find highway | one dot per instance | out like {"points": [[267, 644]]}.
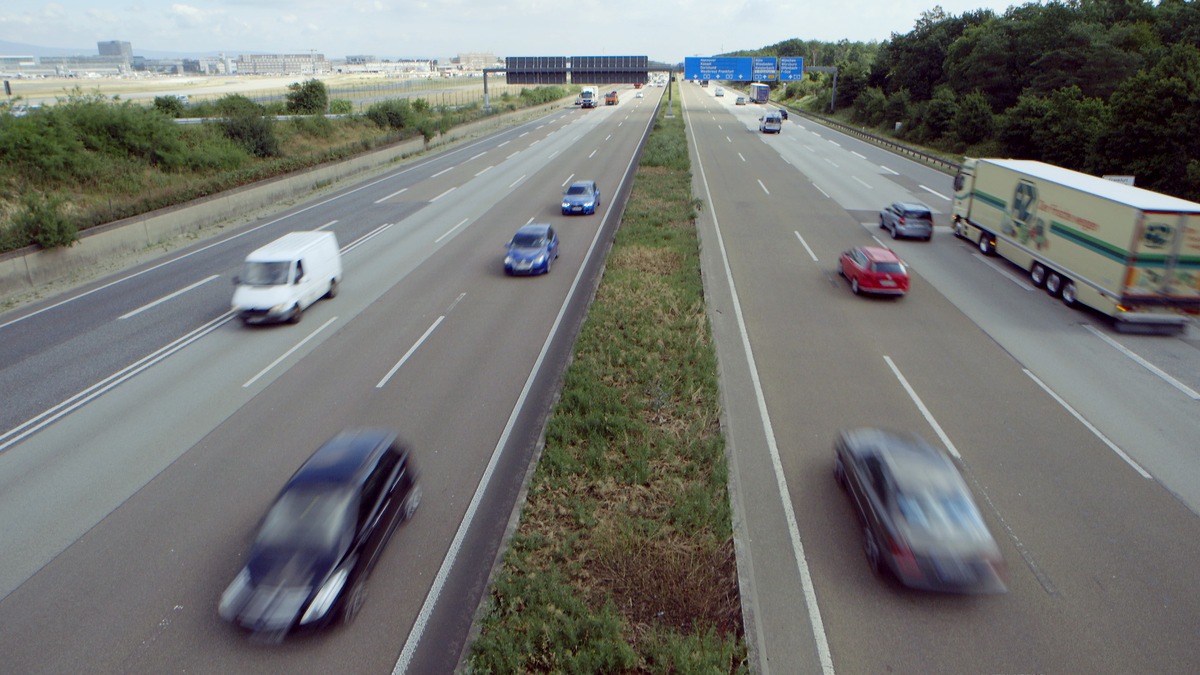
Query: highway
{"points": [[1083, 457], [144, 430]]}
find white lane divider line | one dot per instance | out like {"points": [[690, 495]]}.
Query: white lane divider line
{"points": [[165, 298], [937, 428], [288, 353], [411, 350]]}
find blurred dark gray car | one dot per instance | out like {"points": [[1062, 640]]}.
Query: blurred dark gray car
{"points": [[320, 539], [907, 219], [919, 522]]}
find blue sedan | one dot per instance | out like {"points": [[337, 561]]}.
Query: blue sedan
{"points": [[532, 250], [582, 197]]}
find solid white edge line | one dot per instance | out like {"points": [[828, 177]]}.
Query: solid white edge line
{"points": [[1090, 427], [288, 353], [410, 351], [810, 593], [439, 582], [165, 298], [49, 416], [807, 247], [937, 428], [1188, 391]]}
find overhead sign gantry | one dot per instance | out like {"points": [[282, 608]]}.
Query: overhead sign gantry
{"points": [[743, 68]]}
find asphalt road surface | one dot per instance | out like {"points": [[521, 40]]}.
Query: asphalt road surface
{"points": [[145, 431], [1084, 459]]}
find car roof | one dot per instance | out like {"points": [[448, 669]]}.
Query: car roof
{"points": [[534, 228], [584, 183], [911, 206], [879, 254], [913, 462], [345, 459]]}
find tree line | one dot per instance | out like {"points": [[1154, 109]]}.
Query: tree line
{"points": [[1100, 86]]}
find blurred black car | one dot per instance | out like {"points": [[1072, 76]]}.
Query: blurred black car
{"points": [[322, 536], [919, 521]]}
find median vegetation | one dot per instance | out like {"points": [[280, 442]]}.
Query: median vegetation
{"points": [[91, 159], [624, 559]]}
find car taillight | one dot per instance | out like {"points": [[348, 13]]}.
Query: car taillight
{"points": [[905, 560]]}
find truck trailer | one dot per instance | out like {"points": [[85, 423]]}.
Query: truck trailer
{"points": [[759, 92], [1129, 253]]}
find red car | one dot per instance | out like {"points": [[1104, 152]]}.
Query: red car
{"points": [[871, 269]]}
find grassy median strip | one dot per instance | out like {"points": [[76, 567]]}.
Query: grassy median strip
{"points": [[624, 559]]}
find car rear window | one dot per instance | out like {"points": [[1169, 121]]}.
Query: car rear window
{"points": [[888, 267], [918, 214]]}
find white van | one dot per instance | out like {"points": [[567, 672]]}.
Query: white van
{"points": [[771, 123], [280, 280]]}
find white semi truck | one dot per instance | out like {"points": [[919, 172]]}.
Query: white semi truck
{"points": [[587, 97], [1129, 253]]}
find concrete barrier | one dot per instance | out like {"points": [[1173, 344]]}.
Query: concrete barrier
{"points": [[100, 249]]}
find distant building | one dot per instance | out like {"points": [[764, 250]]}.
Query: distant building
{"points": [[283, 64], [116, 48]]}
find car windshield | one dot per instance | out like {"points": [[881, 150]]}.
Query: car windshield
{"points": [[265, 273], [309, 519], [939, 511], [888, 268], [578, 190], [527, 240]]}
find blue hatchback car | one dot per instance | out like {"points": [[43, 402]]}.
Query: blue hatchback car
{"points": [[582, 197], [532, 250]]}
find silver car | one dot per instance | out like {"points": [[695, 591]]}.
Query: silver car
{"points": [[907, 219]]}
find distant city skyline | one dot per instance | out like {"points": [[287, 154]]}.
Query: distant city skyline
{"points": [[404, 29]]}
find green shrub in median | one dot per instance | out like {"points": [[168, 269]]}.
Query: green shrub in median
{"points": [[623, 561]]}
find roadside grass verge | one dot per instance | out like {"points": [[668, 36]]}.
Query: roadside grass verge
{"points": [[623, 560]]}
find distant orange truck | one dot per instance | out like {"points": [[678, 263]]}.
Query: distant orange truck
{"points": [[611, 98]]}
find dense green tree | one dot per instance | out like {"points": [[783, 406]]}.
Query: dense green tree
{"points": [[310, 97], [982, 60], [1155, 128], [974, 122], [938, 114], [170, 106], [870, 106]]}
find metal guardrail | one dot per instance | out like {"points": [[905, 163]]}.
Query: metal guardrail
{"points": [[936, 162]]}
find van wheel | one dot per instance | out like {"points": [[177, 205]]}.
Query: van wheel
{"points": [[296, 313], [1037, 274], [333, 289], [854, 285], [1054, 284], [874, 555], [1069, 294]]}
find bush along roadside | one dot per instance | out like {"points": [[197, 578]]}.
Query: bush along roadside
{"points": [[624, 560]]}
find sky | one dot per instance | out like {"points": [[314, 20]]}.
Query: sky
{"points": [[663, 30]]}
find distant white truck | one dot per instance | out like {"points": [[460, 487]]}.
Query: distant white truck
{"points": [[1129, 253], [588, 97], [280, 280]]}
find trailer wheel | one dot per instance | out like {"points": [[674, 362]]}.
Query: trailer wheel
{"points": [[1037, 274], [1069, 293], [1054, 284], [986, 246]]}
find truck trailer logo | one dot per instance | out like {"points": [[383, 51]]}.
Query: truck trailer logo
{"points": [[1021, 221], [1157, 235]]}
